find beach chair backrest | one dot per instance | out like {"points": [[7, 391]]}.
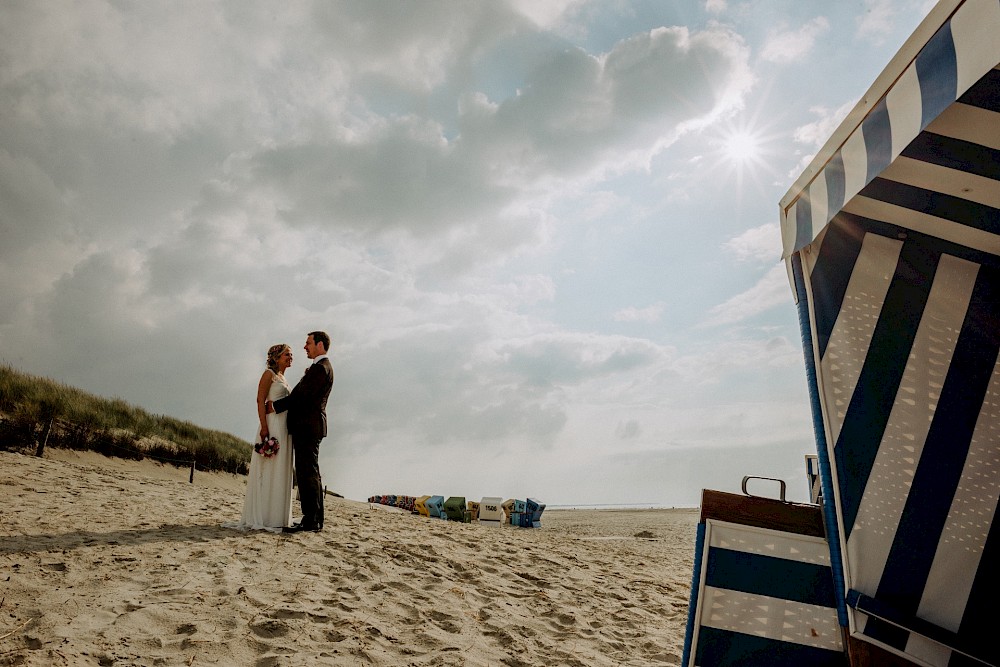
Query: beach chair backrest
{"points": [[491, 510]]}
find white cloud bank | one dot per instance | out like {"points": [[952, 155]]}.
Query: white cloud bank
{"points": [[184, 185]]}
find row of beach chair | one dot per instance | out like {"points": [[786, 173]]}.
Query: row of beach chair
{"points": [[490, 510]]}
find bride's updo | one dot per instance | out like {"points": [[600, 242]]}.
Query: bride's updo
{"points": [[273, 353]]}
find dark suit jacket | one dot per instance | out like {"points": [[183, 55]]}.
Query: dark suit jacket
{"points": [[306, 405]]}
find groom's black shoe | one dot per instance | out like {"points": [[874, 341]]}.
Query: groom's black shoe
{"points": [[299, 527]]}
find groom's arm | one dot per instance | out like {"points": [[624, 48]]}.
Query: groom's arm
{"points": [[311, 384]]}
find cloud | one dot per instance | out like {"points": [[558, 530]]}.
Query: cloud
{"points": [[571, 359], [760, 244], [306, 126], [652, 313], [877, 20], [544, 14], [715, 6], [769, 292], [787, 45], [184, 186], [816, 133]]}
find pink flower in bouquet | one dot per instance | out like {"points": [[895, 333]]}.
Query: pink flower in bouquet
{"points": [[268, 447]]}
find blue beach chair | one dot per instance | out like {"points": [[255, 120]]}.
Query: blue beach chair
{"points": [[435, 507], [534, 511]]}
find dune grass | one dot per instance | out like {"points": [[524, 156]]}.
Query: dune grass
{"points": [[111, 426]]}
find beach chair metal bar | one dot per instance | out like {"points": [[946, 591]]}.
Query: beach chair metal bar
{"points": [[781, 485], [892, 243]]}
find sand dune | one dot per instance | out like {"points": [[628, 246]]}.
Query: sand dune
{"points": [[109, 562]]}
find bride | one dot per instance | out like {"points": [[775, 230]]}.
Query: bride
{"points": [[268, 504]]}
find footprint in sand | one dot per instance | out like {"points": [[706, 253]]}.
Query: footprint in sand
{"points": [[505, 639], [186, 629], [335, 636], [269, 628], [445, 621]]}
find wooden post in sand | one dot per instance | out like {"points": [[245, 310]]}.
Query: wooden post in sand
{"points": [[191, 480], [44, 439]]}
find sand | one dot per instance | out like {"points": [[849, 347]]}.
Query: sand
{"points": [[110, 562]]}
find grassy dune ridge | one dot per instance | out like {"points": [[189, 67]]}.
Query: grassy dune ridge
{"points": [[111, 426]]}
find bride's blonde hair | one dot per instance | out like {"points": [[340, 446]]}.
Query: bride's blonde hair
{"points": [[273, 353]]}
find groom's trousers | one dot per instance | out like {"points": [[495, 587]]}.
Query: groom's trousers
{"points": [[308, 478]]}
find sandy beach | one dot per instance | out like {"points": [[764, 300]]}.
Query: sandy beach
{"points": [[111, 562]]}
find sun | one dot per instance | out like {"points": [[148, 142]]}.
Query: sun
{"points": [[741, 147], [741, 150]]}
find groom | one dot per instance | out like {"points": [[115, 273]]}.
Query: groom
{"points": [[306, 407]]}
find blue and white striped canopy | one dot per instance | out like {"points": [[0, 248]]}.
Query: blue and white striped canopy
{"points": [[892, 238]]}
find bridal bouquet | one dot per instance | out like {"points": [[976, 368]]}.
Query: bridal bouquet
{"points": [[268, 448]]}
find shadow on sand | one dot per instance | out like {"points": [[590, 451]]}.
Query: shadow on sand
{"points": [[85, 538]]}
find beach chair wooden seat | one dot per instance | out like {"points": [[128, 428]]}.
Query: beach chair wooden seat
{"points": [[420, 505], [473, 508], [454, 508], [892, 241], [491, 511], [435, 507], [762, 592]]}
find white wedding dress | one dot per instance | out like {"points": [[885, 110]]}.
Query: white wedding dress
{"points": [[268, 504]]}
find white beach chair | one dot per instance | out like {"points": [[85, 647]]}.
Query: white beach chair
{"points": [[491, 511]]}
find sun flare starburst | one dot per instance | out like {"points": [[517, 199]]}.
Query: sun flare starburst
{"points": [[741, 147]]}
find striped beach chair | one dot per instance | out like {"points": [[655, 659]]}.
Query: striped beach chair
{"points": [[892, 239], [763, 590]]}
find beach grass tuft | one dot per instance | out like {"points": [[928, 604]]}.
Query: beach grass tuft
{"points": [[35, 408]]}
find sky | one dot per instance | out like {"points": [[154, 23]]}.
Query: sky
{"points": [[543, 237]]}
